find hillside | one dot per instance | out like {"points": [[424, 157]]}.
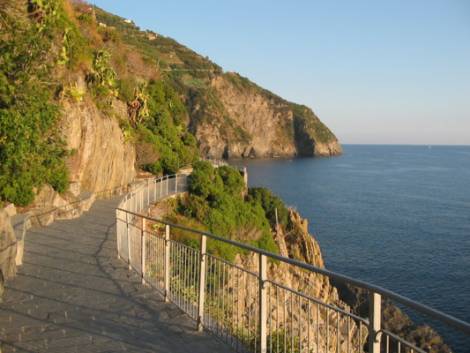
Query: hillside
{"points": [[87, 99], [230, 115]]}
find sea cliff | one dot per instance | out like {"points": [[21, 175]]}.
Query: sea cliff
{"points": [[88, 100], [107, 99]]}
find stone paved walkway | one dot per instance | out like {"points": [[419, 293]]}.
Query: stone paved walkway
{"points": [[73, 295]]}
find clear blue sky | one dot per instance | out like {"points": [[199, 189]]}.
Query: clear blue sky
{"points": [[373, 71]]}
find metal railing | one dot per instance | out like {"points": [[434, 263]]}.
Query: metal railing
{"points": [[24, 221], [244, 304]]}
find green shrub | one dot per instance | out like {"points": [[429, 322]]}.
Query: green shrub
{"points": [[102, 79], [232, 179], [75, 92], [164, 127], [86, 17], [126, 87], [270, 202], [75, 49], [170, 163], [216, 199], [31, 152], [154, 168], [204, 181]]}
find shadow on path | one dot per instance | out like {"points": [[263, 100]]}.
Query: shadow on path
{"points": [[73, 295]]}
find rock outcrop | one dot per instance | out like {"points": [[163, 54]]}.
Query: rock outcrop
{"points": [[395, 320], [101, 161], [289, 312], [230, 116], [101, 158], [251, 122]]}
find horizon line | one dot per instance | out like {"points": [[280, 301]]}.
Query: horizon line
{"points": [[404, 144]]}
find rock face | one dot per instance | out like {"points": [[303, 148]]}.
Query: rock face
{"points": [[396, 321], [286, 311], [267, 125], [230, 116], [251, 122], [101, 162], [101, 159]]}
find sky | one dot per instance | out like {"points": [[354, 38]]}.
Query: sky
{"points": [[385, 72]]}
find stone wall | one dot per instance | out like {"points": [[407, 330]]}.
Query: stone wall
{"points": [[7, 246]]}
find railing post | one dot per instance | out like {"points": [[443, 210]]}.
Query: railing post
{"points": [[118, 231], [155, 189], [148, 192], [202, 283], [129, 251], [143, 249], [375, 316], [263, 309], [167, 263], [167, 185], [176, 183]]}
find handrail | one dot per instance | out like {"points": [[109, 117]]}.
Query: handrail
{"points": [[436, 314], [190, 262], [25, 223], [30, 214], [401, 340]]}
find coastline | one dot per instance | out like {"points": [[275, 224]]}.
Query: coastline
{"points": [[347, 224]]}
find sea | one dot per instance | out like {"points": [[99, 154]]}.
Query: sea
{"points": [[395, 216]]}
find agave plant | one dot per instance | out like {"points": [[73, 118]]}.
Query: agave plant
{"points": [[138, 109], [43, 12], [103, 77]]}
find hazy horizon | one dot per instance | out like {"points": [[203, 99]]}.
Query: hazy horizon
{"points": [[407, 144], [374, 73]]}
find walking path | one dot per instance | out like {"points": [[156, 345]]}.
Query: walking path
{"points": [[73, 295]]}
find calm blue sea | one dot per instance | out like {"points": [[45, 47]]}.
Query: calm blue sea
{"points": [[396, 216]]}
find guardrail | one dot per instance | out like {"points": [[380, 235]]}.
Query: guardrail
{"points": [[244, 307], [26, 220]]}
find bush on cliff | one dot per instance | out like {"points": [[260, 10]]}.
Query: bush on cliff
{"points": [[173, 143], [270, 202], [217, 200]]}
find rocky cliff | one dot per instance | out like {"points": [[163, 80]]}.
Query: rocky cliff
{"points": [[231, 116], [395, 320], [101, 158], [98, 88], [251, 122], [100, 163], [286, 310], [87, 99], [290, 316], [303, 246]]}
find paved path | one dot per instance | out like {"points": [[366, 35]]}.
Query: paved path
{"points": [[73, 295]]}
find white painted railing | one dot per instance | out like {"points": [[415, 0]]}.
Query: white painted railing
{"points": [[244, 307]]}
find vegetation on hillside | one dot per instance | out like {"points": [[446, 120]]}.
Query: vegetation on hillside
{"points": [[157, 116], [218, 201], [44, 47], [48, 47], [308, 126], [165, 128], [31, 152], [191, 76]]}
